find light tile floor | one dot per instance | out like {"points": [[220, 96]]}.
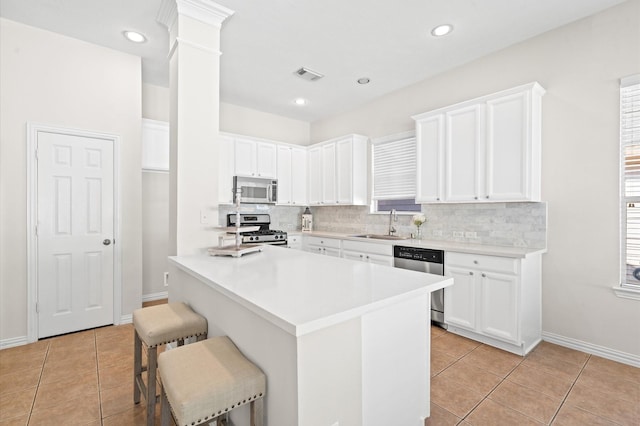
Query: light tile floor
{"points": [[476, 384], [85, 378]]}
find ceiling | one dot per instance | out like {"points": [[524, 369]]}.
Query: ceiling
{"points": [[266, 41]]}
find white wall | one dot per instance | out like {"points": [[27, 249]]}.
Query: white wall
{"points": [[52, 79], [580, 66]]}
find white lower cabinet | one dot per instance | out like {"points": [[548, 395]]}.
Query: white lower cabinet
{"points": [[321, 245], [381, 254], [495, 300]]}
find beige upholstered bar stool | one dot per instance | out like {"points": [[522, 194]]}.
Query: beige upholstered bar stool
{"points": [[158, 325], [206, 380]]}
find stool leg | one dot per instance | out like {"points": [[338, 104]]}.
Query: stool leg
{"points": [[137, 366], [165, 410], [257, 415], [152, 366]]}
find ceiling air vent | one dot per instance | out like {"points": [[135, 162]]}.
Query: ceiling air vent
{"points": [[308, 75]]}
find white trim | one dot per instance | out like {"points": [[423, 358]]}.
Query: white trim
{"points": [[155, 296], [126, 319], [13, 342], [601, 351], [32, 214], [395, 137], [154, 170], [626, 292], [204, 11]]}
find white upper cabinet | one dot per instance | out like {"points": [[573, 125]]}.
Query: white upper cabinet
{"points": [[338, 172], [430, 152], [315, 175], [329, 173], [292, 175], [225, 176], [464, 145], [155, 145], [255, 158], [486, 149]]}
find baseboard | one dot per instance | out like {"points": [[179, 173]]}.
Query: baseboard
{"points": [[126, 319], [155, 296], [592, 349], [13, 341]]}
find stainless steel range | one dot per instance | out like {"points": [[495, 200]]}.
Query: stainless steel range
{"points": [[264, 234]]}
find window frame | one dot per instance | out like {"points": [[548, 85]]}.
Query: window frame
{"points": [[626, 289], [398, 137]]}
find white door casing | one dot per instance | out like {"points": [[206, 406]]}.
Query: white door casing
{"points": [[73, 263]]}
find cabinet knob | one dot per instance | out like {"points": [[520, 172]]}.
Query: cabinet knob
{"points": [[475, 262], [484, 275], [475, 198], [438, 199], [470, 273], [487, 197], [361, 256], [367, 257]]}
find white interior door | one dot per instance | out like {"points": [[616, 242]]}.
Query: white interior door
{"points": [[75, 214]]}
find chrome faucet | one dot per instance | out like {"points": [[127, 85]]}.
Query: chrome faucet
{"points": [[393, 217]]}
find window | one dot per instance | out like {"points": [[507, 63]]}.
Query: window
{"points": [[630, 181], [394, 173]]}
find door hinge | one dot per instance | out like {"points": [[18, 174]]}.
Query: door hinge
{"points": [[37, 308], [36, 230], [37, 155]]}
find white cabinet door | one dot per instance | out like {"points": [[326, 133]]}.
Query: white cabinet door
{"points": [[460, 298], [344, 171], [430, 151], [265, 160], [508, 148], [284, 175], [328, 173], [225, 176], [464, 141], [499, 306], [245, 157], [298, 176], [315, 176], [254, 158], [333, 252], [155, 145]]}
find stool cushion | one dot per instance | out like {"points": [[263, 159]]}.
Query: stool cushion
{"points": [[208, 378], [161, 324]]}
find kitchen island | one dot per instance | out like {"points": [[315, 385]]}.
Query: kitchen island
{"points": [[341, 342]]}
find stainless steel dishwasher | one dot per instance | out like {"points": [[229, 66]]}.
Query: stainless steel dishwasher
{"points": [[424, 260]]}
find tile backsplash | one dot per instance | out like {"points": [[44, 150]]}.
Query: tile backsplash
{"points": [[499, 224]]}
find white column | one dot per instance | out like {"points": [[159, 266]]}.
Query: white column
{"points": [[194, 60]]}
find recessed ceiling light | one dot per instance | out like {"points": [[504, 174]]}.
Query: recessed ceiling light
{"points": [[441, 30], [135, 36], [364, 80], [300, 101]]}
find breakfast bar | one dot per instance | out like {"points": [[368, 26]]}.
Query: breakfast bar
{"points": [[341, 342]]}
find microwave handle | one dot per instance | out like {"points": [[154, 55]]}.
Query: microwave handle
{"points": [[270, 192]]}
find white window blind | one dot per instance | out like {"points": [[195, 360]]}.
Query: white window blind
{"points": [[630, 165], [394, 169]]}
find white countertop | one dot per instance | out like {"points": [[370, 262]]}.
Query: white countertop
{"points": [[303, 292], [517, 252]]}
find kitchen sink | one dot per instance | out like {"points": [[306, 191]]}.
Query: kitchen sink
{"points": [[381, 237]]}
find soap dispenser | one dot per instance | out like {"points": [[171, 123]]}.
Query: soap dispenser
{"points": [[307, 220]]}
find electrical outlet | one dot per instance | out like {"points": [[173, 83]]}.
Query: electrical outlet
{"points": [[458, 234], [470, 234], [166, 279], [204, 217]]}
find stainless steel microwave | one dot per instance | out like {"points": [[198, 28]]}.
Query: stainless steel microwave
{"points": [[255, 190]]}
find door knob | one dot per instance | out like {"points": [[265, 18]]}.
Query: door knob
{"points": [[106, 242]]}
